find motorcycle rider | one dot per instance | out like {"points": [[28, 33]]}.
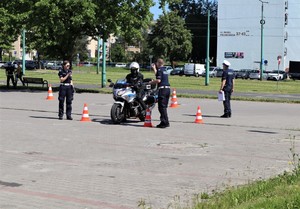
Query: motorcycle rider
{"points": [[136, 79]]}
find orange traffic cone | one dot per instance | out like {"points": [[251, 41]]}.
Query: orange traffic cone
{"points": [[148, 122], [50, 93], [85, 114], [199, 116], [174, 102]]}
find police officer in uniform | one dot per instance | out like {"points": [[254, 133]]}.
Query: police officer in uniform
{"points": [[136, 79], [19, 74], [66, 91], [163, 85], [227, 84], [10, 70]]}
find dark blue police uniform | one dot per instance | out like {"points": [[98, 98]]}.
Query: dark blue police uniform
{"points": [[163, 96], [137, 81], [227, 75], [10, 68], [66, 91]]}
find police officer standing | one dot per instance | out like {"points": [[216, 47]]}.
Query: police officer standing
{"points": [[10, 70], [19, 74], [163, 85], [66, 91], [227, 84]]}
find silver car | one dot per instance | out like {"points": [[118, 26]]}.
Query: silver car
{"points": [[219, 72], [254, 74], [212, 72]]}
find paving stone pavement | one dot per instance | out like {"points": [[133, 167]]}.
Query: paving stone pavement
{"points": [[46, 163]]}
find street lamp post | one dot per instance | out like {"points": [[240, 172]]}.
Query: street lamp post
{"points": [[207, 49], [23, 51], [262, 22], [98, 54], [150, 57], [103, 63]]}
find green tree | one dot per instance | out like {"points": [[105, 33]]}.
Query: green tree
{"points": [[195, 14], [58, 26], [118, 52], [170, 38], [9, 28]]}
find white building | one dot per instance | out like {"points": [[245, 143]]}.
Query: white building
{"points": [[239, 33]]}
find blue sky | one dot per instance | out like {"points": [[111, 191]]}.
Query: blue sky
{"points": [[155, 11]]}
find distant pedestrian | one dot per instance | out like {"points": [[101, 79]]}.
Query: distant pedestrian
{"points": [[10, 71], [227, 85], [19, 74], [66, 91], [163, 85]]}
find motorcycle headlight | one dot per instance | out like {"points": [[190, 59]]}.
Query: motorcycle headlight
{"points": [[120, 93]]}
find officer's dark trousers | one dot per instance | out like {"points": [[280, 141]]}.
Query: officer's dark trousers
{"points": [[226, 103], [65, 92], [163, 100], [10, 77], [19, 76]]}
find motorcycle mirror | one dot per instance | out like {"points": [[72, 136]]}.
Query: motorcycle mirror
{"points": [[109, 80]]}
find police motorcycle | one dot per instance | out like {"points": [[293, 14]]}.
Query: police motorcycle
{"points": [[126, 104]]}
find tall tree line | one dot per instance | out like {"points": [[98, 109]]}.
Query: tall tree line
{"points": [[56, 27]]}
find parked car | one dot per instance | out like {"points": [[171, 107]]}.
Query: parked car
{"points": [[177, 71], [235, 73], [30, 65], [88, 64], [7, 64], [294, 70], [219, 72], [243, 73], [254, 74], [277, 75], [1, 64], [120, 65], [193, 69], [212, 72], [169, 69], [54, 65]]}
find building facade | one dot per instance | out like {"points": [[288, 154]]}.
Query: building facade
{"points": [[240, 33]]}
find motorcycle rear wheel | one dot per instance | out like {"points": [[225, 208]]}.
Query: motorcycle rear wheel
{"points": [[116, 114]]}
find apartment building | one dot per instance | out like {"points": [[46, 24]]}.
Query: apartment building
{"points": [[240, 33]]}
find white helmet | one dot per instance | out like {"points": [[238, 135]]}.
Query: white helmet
{"points": [[135, 66]]}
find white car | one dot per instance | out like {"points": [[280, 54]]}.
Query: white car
{"points": [[276, 75], [254, 74], [120, 65], [212, 72], [169, 69]]}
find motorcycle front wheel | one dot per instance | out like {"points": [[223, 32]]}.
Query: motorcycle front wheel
{"points": [[142, 115], [116, 114]]}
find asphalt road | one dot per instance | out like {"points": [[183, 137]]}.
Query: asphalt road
{"points": [[252, 95], [47, 163]]}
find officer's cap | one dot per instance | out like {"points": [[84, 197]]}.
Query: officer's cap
{"points": [[226, 63]]}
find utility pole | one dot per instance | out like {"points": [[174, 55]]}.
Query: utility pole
{"points": [[207, 49], [262, 22], [98, 54], [103, 63], [23, 51]]}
